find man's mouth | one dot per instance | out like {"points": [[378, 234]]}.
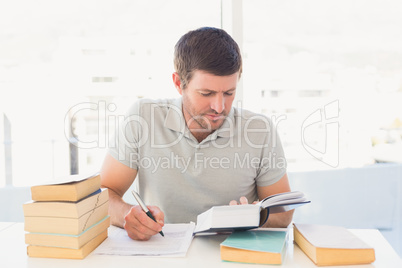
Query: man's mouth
{"points": [[215, 117]]}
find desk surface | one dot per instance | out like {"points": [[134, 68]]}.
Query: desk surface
{"points": [[203, 252]]}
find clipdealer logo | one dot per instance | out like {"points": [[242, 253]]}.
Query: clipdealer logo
{"points": [[319, 131], [113, 129], [325, 122]]}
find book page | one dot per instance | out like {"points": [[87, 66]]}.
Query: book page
{"points": [[257, 240], [283, 198], [69, 179], [325, 236], [176, 242]]}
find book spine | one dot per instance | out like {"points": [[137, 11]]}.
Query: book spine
{"points": [[264, 214]]}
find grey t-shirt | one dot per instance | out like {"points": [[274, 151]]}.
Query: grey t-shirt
{"points": [[184, 177]]}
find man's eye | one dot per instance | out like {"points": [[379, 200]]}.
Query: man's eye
{"points": [[205, 94], [229, 93]]}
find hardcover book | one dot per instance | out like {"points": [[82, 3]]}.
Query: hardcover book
{"points": [[72, 188], [65, 225], [67, 241], [332, 245], [66, 209], [255, 246], [243, 217], [66, 253]]}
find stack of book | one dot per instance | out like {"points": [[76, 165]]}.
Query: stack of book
{"points": [[66, 220], [261, 246]]}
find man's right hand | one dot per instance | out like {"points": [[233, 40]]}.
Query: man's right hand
{"points": [[118, 178], [141, 227]]}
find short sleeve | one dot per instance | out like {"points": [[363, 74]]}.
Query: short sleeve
{"points": [[273, 161], [124, 144]]}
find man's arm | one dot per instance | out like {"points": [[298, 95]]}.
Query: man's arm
{"points": [[281, 220], [118, 178]]}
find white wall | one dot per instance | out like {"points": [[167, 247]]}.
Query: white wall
{"points": [[11, 200], [368, 197]]}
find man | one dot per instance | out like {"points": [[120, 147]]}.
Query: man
{"points": [[197, 151]]}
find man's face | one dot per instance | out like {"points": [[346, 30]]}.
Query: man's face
{"points": [[207, 100]]}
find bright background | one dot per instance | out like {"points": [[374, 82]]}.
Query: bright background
{"points": [[329, 71]]}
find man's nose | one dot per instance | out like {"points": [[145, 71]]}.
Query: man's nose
{"points": [[218, 103]]}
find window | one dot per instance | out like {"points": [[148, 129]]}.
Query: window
{"points": [[66, 69], [311, 56]]}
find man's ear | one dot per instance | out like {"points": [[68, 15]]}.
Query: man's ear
{"points": [[177, 82]]}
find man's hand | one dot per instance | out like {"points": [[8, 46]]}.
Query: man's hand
{"points": [[243, 201], [141, 227]]}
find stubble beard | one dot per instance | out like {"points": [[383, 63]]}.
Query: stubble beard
{"points": [[203, 122]]}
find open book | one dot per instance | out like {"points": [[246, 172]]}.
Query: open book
{"points": [[243, 217]]}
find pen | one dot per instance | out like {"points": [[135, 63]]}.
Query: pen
{"points": [[144, 207]]}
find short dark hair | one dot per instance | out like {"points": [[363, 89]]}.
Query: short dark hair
{"points": [[206, 49]]}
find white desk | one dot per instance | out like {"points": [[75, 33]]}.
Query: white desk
{"points": [[203, 252]]}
